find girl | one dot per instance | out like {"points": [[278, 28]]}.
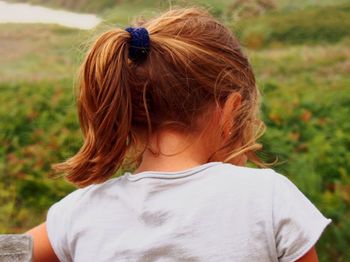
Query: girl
{"points": [[176, 97]]}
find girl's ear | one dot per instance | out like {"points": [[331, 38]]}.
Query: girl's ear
{"points": [[232, 104]]}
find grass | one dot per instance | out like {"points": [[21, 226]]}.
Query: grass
{"points": [[312, 25], [24, 52], [322, 63]]}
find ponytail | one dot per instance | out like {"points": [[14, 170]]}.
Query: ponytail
{"points": [[105, 111], [190, 62]]}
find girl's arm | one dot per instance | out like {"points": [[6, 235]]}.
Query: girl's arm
{"points": [[310, 256], [43, 251]]}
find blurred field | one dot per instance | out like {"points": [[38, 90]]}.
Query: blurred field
{"points": [[301, 57]]}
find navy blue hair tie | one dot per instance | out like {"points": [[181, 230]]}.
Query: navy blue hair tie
{"points": [[139, 43]]}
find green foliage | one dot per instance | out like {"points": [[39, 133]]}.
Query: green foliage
{"points": [[38, 128]]}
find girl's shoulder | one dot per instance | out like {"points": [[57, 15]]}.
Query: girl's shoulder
{"points": [[262, 180], [254, 185], [258, 182], [81, 195], [296, 223]]}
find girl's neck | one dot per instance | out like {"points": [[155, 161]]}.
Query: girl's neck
{"points": [[171, 151]]}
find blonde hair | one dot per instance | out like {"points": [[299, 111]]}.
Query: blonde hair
{"points": [[193, 61]]}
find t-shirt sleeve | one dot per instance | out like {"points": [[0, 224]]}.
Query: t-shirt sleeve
{"points": [[297, 223], [58, 221]]}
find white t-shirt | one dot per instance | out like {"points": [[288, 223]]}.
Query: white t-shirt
{"points": [[213, 212]]}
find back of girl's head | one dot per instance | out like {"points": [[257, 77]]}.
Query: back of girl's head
{"points": [[193, 62]]}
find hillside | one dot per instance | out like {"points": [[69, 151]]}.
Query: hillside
{"points": [[99, 6]]}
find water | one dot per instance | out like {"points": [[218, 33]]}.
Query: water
{"points": [[26, 13]]}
